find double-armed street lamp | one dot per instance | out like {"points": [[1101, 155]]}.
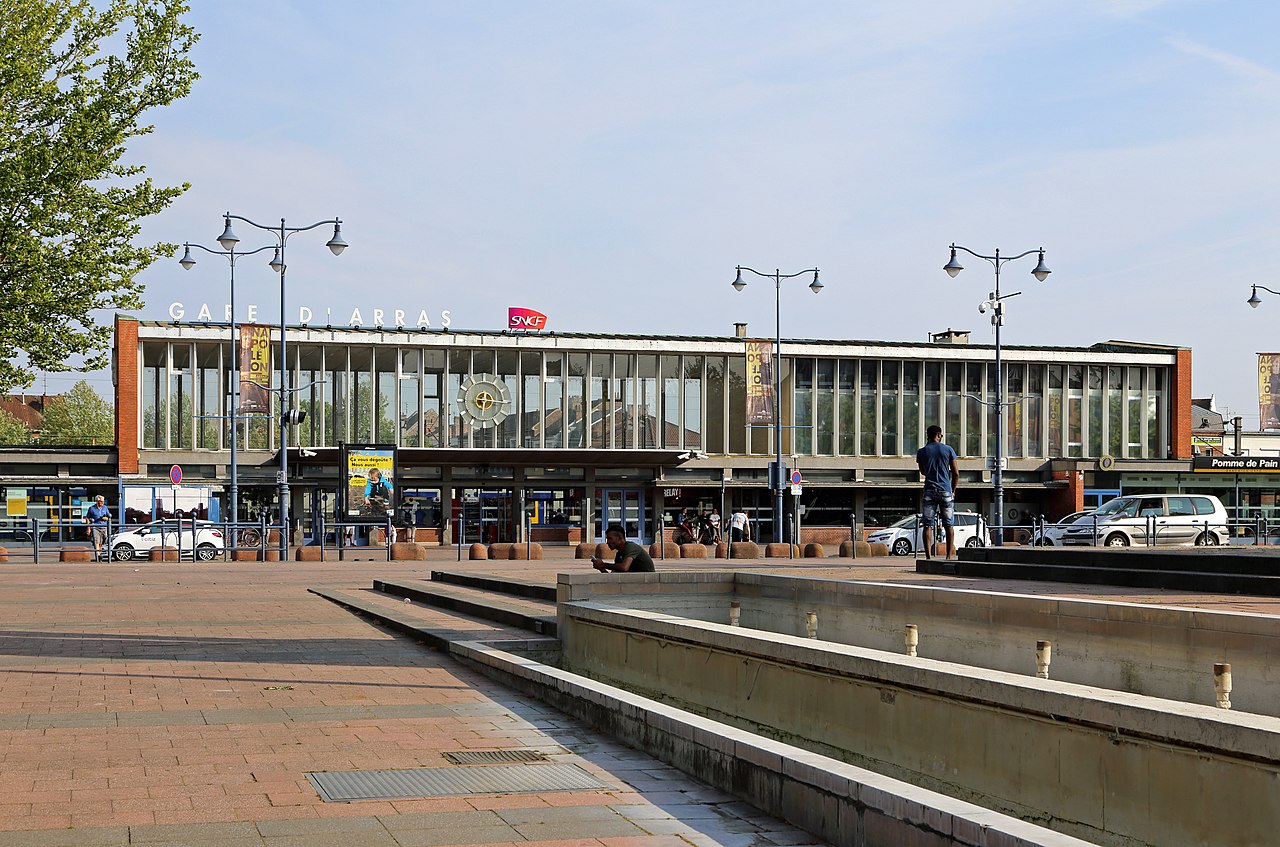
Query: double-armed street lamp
{"points": [[288, 417], [995, 302], [188, 262], [776, 477]]}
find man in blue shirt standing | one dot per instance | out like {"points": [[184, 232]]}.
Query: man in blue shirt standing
{"points": [[937, 463], [98, 516]]}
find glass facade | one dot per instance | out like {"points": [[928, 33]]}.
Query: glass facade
{"points": [[834, 406]]}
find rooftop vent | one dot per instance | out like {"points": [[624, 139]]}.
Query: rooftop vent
{"points": [[950, 336]]}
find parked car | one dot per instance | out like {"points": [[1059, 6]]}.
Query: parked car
{"points": [[1051, 534], [1247, 535], [907, 535], [130, 543], [1176, 519]]}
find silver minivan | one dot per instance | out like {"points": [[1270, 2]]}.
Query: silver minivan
{"points": [[1169, 520]]}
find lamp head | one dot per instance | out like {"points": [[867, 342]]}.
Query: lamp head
{"points": [[953, 267], [1041, 271], [336, 244], [815, 286], [1254, 300], [738, 284], [187, 261], [276, 263], [228, 238]]}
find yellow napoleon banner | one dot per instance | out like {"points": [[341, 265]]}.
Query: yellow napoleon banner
{"points": [[1269, 390], [760, 382], [255, 368]]}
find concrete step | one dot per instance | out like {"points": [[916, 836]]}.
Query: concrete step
{"points": [[498, 584], [439, 635], [535, 616], [1177, 580]]}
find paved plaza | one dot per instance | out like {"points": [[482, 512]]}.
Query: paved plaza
{"points": [[183, 704]]}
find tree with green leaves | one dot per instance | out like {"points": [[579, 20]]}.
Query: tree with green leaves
{"points": [[76, 80], [78, 417], [12, 430]]}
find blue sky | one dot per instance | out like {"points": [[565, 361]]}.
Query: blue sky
{"points": [[608, 163]]}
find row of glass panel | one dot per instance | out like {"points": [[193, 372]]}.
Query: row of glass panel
{"points": [[831, 406]]}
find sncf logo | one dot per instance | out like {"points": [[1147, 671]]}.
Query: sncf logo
{"points": [[525, 319]]}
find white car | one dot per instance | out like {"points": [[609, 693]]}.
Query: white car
{"points": [[137, 542], [907, 535], [1175, 519], [1051, 534]]}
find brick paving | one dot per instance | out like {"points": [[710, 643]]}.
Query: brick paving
{"points": [[166, 704], [171, 703]]}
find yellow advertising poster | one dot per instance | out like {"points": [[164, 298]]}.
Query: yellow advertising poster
{"points": [[1269, 390], [16, 502], [371, 489], [760, 382], [255, 368]]}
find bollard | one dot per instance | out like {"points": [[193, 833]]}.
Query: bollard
{"points": [[911, 637], [735, 613], [1044, 654], [811, 624], [1222, 684]]}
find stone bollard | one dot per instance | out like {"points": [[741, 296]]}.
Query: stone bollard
{"points": [[585, 550], [164, 554], [1222, 684], [500, 550], [1044, 654], [735, 613], [722, 549], [523, 552], [408, 551], [313, 553], [911, 638], [477, 551], [693, 551], [75, 554], [813, 550], [603, 552], [745, 550], [811, 624]]}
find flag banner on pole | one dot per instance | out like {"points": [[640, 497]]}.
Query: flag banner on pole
{"points": [[760, 406], [255, 369], [1269, 390]]}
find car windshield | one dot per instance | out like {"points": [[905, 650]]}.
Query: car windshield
{"points": [[908, 522], [1120, 507]]}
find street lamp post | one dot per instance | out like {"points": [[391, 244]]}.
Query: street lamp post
{"points": [[995, 302], [1254, 300], [288, 416], [188, 262], [777, 276]]}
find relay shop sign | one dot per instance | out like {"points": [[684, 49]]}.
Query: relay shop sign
{"points": [[1236, 464], [525, 320]]}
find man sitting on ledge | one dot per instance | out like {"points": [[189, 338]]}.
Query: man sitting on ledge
{"points": [[630, 558]]}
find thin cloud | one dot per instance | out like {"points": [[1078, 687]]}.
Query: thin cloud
{"points": [[1229, 61]]}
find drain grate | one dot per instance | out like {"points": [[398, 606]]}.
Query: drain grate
{"points": [[341, 787], [495, 757]]}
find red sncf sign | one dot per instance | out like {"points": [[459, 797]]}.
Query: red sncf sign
{"points": [[525, 319]]}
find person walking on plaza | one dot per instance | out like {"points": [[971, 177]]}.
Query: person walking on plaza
{"points": [[98, 517], [937, 462], [629, 557], [739, 526]]}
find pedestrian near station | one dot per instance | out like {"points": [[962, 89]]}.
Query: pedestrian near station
{"points": [[98, 517], [937, 463]]}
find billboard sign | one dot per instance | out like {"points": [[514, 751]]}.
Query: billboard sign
{"points": [[525, 320], [760, 382], [369, 482], [255, 369], [1236, 464]]}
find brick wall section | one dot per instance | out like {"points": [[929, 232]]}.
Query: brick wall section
{"points": [[1063, 501], [1180, 431], [127, 394]]}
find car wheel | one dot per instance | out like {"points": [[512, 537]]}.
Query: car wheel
{"points": [[1045, 542], [206, 552], [1117, 539], [1206, 539], [973, 542], [901, 547], [122, 552]]}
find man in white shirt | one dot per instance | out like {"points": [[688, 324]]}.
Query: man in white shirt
{"points": [[739, 526], [714, 520]]}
